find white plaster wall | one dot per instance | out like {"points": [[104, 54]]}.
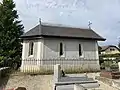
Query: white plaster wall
{"points": [[89, 48], [25, 49], [40, 48], [49, 49]]}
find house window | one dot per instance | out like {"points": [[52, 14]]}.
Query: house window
{"points": [[80, 50], [61, 49], [112, 49], [31, 46]]}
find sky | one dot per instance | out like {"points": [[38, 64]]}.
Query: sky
{"points": [[103, 14]]}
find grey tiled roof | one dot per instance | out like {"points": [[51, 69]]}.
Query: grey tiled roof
{"points": [[61, 31]]}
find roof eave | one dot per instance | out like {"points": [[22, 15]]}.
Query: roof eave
{"points": [[102, 39], [33, 37], [51, 36], [98, 39]]}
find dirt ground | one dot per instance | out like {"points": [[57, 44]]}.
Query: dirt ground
{"points": [[40, 82]]}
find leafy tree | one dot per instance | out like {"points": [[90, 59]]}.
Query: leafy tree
{"points": [[10, 31]]}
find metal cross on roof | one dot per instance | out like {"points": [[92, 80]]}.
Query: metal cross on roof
{"points": [[39, 20], [89, 25]]}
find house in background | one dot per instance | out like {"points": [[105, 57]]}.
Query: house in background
{"points": [[109, 49], [47, 42], [109, 52]]}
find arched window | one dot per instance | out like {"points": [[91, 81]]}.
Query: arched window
{"points": [[31, 46], [61, 49], [80, 51]]}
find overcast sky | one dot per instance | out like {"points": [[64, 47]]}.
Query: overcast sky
{"points": [[104, 15]]}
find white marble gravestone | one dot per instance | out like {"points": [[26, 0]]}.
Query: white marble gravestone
{"points": [[57, 73], [80, 83]]}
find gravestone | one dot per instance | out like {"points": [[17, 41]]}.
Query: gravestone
{"points": [[57, 73], [80, 83], [78, 87]]}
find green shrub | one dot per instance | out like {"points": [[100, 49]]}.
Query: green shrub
{"points": [[109, 64], [13, 63]]}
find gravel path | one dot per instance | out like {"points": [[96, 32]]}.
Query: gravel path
{"points": [[39, 82]]}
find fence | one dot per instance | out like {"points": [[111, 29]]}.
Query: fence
{"points": [[58, 61], [68, 65], [46, 66]]}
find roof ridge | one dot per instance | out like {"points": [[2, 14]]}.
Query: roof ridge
{"points": [[61, 25]]}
